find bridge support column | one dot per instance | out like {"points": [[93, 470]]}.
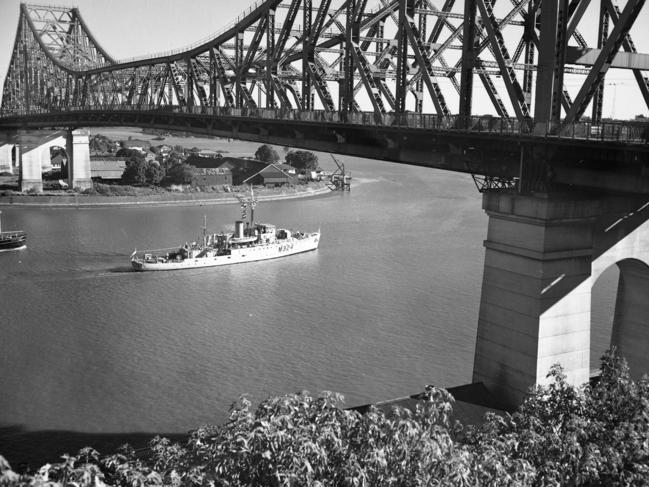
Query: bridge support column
{"points": [[31, 164], [536, 292], [6, 164], [78, 149], [631, 322]]}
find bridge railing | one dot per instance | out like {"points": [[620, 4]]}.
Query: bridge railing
{"points": [[614, 131], [196, 44]]}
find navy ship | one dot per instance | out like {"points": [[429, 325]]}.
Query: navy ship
{"points": [[249, 242], [12, 240]]}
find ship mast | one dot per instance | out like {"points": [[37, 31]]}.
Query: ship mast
{"points": [[245, 202], [253, 203]]}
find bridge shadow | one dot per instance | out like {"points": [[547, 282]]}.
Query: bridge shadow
{"points": [[27, 451], [613, 235]]}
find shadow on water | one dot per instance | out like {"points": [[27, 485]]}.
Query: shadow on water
{"points": [[122, 270], [27, 451]]}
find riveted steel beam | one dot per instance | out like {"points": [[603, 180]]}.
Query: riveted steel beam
{"points": [[307, 53], [549, 86], [612, 11], [469, 55], [601, 66], [271, 66], [501, 54], [406, 11]]}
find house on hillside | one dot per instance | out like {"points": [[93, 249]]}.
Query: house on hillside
{"points": [[208, 176], [165, 150], [138, 145], [58, 161], [107, 168], [272, 176], [240, 168], [209, 153]]}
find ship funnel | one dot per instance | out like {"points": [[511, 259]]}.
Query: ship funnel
{"points": [[238, 229]]}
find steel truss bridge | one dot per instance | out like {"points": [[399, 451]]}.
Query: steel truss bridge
{"points": [[395, 80]]}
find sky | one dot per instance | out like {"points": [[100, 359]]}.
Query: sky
{"points": [[128, 28]]}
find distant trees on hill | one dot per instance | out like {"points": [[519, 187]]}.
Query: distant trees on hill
{"points": [[129, 154], [100, 144]]}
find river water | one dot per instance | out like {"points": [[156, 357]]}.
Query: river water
{"points": [[386, 305]]}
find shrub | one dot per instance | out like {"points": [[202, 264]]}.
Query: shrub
{"points": [[561, 435]]}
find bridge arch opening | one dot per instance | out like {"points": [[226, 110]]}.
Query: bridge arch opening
{"points": [[620, 314], [58, 162], [603, 296], [54, 167]]}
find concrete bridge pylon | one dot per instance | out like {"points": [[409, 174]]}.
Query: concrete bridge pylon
{"points": [[33, 154], [78, 149], [6, 160], [543, 255]]}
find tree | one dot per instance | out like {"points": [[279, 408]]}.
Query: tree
{"points": [[561, 435], [180, 174], [129, 154], [100, 144], [267, 153], [140, 171], [135, 171], [302, 160], [154, 173]]}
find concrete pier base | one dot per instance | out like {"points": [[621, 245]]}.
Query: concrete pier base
{"points": [[33, 154], [535, 304], [78, 149], [631, 323], [543, 255], [34, 157], [31, 170], [6, 163]]}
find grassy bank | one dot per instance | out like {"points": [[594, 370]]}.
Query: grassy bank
{"points": [[118, 195]]}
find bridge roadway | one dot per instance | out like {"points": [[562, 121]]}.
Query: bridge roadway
{"points": [[611, 156]]}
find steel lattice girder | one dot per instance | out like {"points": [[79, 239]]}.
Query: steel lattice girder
{"points": [[374, 56]]}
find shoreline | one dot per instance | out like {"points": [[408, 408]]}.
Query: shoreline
{"points": [[165, 199]]}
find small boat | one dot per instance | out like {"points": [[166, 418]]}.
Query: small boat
{"points": [[249, 242], [12, 240]]}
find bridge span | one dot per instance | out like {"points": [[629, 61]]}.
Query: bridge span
{"points": [[566, 192]]}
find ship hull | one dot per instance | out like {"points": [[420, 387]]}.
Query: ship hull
{"points": [[237, 256], [13, 241]]}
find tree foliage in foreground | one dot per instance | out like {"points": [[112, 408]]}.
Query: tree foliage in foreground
{"points": [[561, 435]]}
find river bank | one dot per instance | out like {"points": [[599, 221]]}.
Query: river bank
{"points": [[67, 200]]}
